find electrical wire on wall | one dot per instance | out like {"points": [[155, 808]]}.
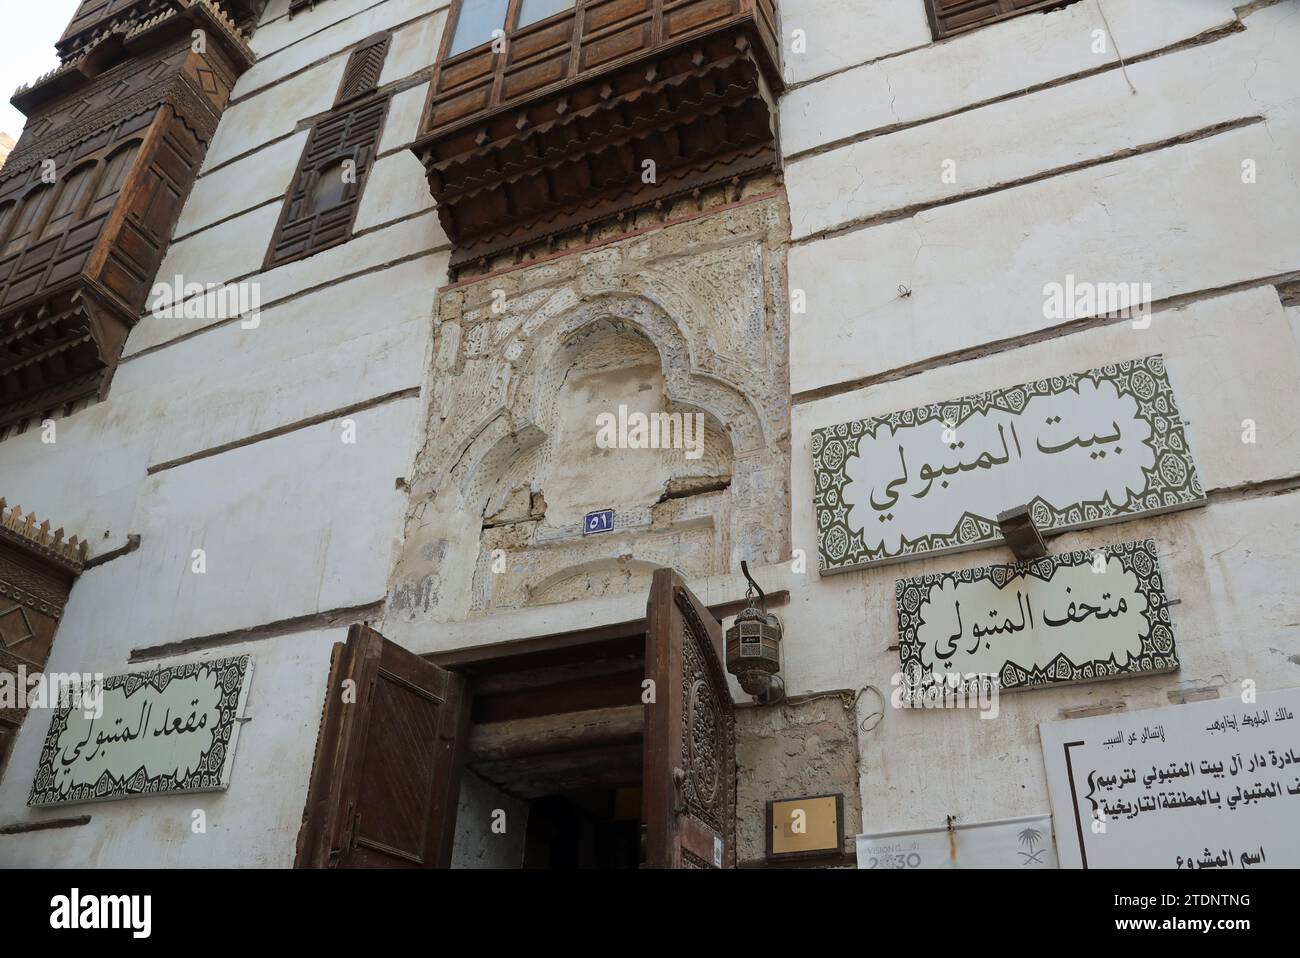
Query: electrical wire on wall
{"points": [[849, 700], [1111, 33]]}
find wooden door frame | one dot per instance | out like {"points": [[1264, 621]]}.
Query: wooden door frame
{"points": [[565, 648], [557, 647]]}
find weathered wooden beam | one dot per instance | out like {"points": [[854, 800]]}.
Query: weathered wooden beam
{"points": [[546, 735], [496, 683], [563, 772], [580, 695], [581, 645]]}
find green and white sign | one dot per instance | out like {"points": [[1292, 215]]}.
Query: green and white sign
{"points": [[169, 730], [1009, 843], [1081, 450], [1073, 617]]}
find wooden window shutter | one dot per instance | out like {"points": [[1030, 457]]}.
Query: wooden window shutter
{"points": [[361, 75], [113, 178], [305, 227], [689, 765], [29, 217], [386, 776], [949, 17], [72, 195]]}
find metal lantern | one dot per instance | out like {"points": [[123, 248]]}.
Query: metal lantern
{"points": [[754, 647]]}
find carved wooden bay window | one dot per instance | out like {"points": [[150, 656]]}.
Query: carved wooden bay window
{"points": [[949, 17], [93, 189], [549, 115]]}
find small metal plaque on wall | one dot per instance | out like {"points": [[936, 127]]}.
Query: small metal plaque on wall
{"points": [[800, 828], [169, 730], [594, 522]]}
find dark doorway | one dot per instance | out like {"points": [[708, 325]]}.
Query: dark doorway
{"points": [[562, 732], [594, 828]]}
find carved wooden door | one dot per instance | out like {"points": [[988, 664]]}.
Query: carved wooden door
{"points": [[689, 768], [386, 776]]}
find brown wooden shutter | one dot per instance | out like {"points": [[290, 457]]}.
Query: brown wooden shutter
{"points": [[305, 227], [689, 770], [72, 195], [386, 776], [361, 75], [948, 17]]}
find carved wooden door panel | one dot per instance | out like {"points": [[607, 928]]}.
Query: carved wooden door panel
{"points": [[386, 776], [689, 768]]}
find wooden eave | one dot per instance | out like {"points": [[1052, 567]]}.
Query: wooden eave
{"points": [[22, 532], [124, 42]]}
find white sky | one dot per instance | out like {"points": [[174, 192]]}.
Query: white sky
{"points": [[27, 35]]}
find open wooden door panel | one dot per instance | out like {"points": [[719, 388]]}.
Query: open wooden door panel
{"points": [[386, 775], [689, 770]]}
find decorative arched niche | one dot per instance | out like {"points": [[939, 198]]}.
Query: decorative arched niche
{"points": [[552, 434]]}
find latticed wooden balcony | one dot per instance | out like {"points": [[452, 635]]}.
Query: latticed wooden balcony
{"points": [[91, 192], [542, 114]]}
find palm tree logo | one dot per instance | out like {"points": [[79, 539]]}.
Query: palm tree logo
{"points": [[1030, 837]]}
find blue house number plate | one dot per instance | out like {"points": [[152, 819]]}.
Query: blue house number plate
{"points": [[602, 521]]}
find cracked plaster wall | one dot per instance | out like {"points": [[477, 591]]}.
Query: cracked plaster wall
{"points": [[688, 319], [792, 751]]}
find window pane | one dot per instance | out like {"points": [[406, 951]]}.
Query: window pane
{"points": [[32, 209], [75, 187], [119, 164], [330, 187], [530, 11], [477, 20]]}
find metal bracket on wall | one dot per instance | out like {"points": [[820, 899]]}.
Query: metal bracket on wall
{"points": [[1022, 535], [132, 543]]}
